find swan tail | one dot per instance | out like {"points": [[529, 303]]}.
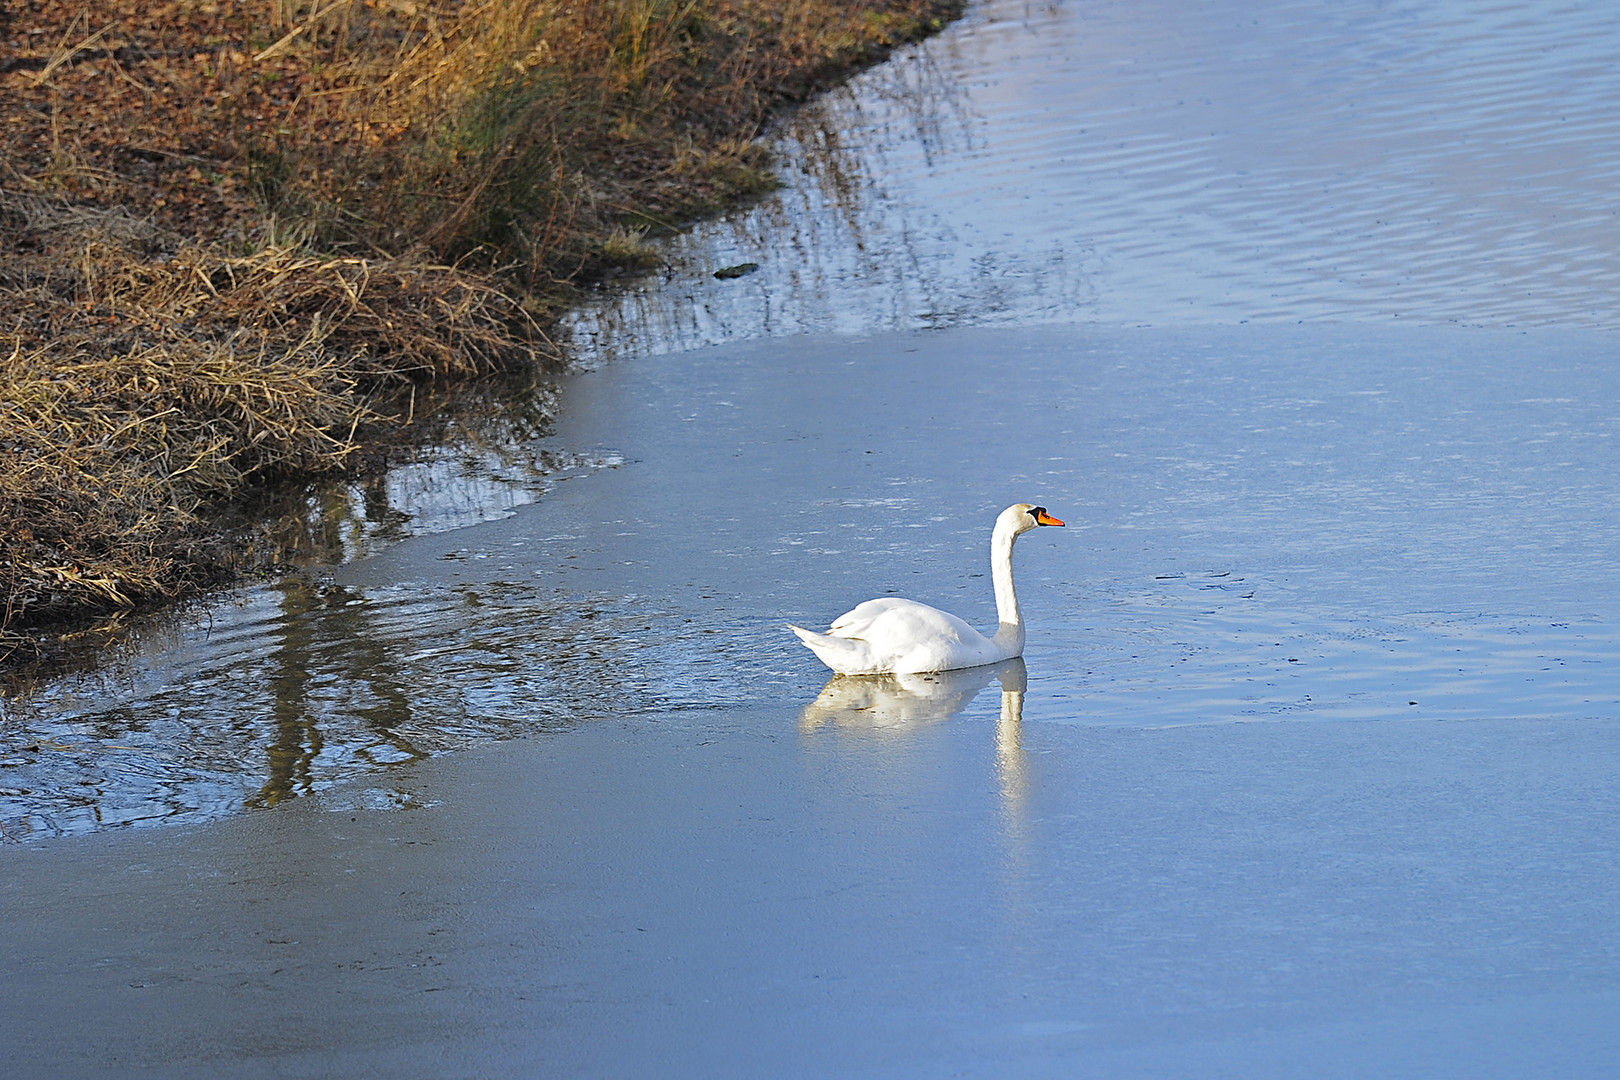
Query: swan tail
{"points": [[848, 656]]}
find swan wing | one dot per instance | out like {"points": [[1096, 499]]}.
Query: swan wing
{"points": [[901, 636], [856, 622], [892, 620], [847, 656]]}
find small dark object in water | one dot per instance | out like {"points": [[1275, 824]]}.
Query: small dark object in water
{"points": [[729, 272]]}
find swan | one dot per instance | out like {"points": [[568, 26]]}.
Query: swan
{"points": [[891, 636]]}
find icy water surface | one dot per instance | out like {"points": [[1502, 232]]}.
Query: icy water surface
{"points": [[1301, 315]]}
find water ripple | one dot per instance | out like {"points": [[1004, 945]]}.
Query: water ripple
{"points": [[1164, 163]]}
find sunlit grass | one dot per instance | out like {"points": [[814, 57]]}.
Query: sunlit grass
{"points": [[231, 238]]}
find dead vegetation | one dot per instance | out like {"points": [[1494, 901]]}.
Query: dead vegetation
{"points": [[235, 234], [146, 378]]}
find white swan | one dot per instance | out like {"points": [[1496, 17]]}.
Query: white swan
{"points": [[902, 637]]}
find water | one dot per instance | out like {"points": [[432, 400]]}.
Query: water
{"points": [[1300, 316], [1163, 163], [1330, 523]]}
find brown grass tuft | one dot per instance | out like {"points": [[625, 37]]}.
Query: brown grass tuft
{"points": [[143, 378]]}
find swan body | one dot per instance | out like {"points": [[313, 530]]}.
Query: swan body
{"points": [[891, 636]]}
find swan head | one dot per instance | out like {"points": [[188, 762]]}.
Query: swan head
{"points": [[1022, 517]]}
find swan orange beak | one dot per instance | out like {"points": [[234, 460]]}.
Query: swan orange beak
{"points": [[1043, 518]]}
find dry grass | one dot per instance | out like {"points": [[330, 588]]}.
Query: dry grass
{"points": [[139, 383], [144, 378], [525, 132], [106, 461], [234, 233]]}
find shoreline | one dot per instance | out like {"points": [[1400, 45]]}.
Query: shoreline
{"points": [[245, 243]]}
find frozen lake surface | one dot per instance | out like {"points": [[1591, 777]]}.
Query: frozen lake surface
{"points": [[1302, 320]]}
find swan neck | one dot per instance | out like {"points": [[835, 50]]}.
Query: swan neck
{"points": [[1001, 548]]}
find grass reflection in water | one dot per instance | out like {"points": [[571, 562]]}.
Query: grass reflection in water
{"points": [[366, 682]]}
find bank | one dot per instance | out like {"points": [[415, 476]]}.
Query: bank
{"points": [[241, 240]]}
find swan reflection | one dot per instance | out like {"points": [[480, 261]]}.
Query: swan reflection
{"points": [[895, 704], [898, 702], [1011, 769]]}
